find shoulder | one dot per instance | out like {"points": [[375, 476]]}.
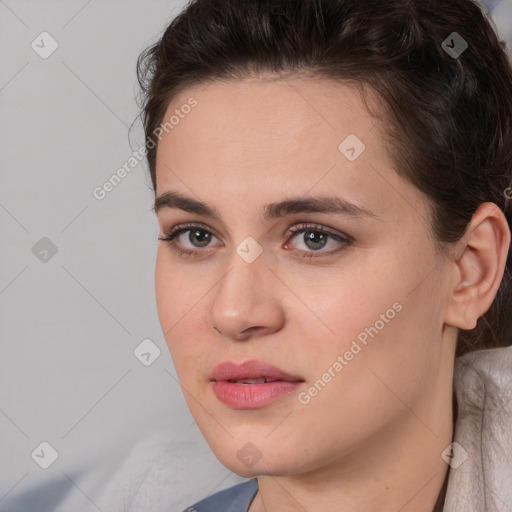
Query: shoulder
{"points": [[481, 467], [484, 373], [482, 384], [234, 499]]}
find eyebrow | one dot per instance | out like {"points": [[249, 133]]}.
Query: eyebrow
{"points": [[299, 204]]}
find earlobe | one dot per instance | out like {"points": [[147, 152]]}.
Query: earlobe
{"points": [[479, 267]]}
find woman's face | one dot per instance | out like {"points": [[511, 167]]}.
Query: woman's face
{"points": [[353, 316]]}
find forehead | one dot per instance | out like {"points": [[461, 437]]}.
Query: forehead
{"points": [[252, 138], [263, 125], [263, 109]]}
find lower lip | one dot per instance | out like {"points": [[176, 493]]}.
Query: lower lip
{"points": [[252, 396]]}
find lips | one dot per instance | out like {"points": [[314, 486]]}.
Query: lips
{"points": [[251, 372], [252, 384]]}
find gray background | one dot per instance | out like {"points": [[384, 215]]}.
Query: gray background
{"points": [[70, 321]]}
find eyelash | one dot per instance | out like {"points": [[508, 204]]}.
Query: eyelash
{"points": [[301, 228]]}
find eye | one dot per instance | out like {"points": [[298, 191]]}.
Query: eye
{"points": [[196, 233], [317, 238]]}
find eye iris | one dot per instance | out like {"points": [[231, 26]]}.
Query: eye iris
{"points": [[203, 239], [314, 235]]}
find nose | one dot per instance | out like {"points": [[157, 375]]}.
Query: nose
{"points": [[247, 301]]}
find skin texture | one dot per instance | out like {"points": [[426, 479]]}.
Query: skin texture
{"points": [[372, 438]]}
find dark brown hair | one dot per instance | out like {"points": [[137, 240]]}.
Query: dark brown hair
{"points": [[448, 118]]}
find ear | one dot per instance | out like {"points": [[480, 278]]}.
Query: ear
{"points": [[479, 263]]}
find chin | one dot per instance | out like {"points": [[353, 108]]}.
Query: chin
{"points": [[270, 468], [261, 457]]}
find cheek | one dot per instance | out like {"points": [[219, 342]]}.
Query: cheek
{"points": [[164, 291], [174, 291], [381, 324], [374, 384], [351, 306], [170, 303], [178, 308]]}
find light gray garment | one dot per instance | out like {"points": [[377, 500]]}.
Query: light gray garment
{"points": [[483, 386]]}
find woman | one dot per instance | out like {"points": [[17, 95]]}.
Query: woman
{"points": [[332, 184]]}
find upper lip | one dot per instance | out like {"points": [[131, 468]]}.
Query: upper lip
{"points": [[229, 370]]}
